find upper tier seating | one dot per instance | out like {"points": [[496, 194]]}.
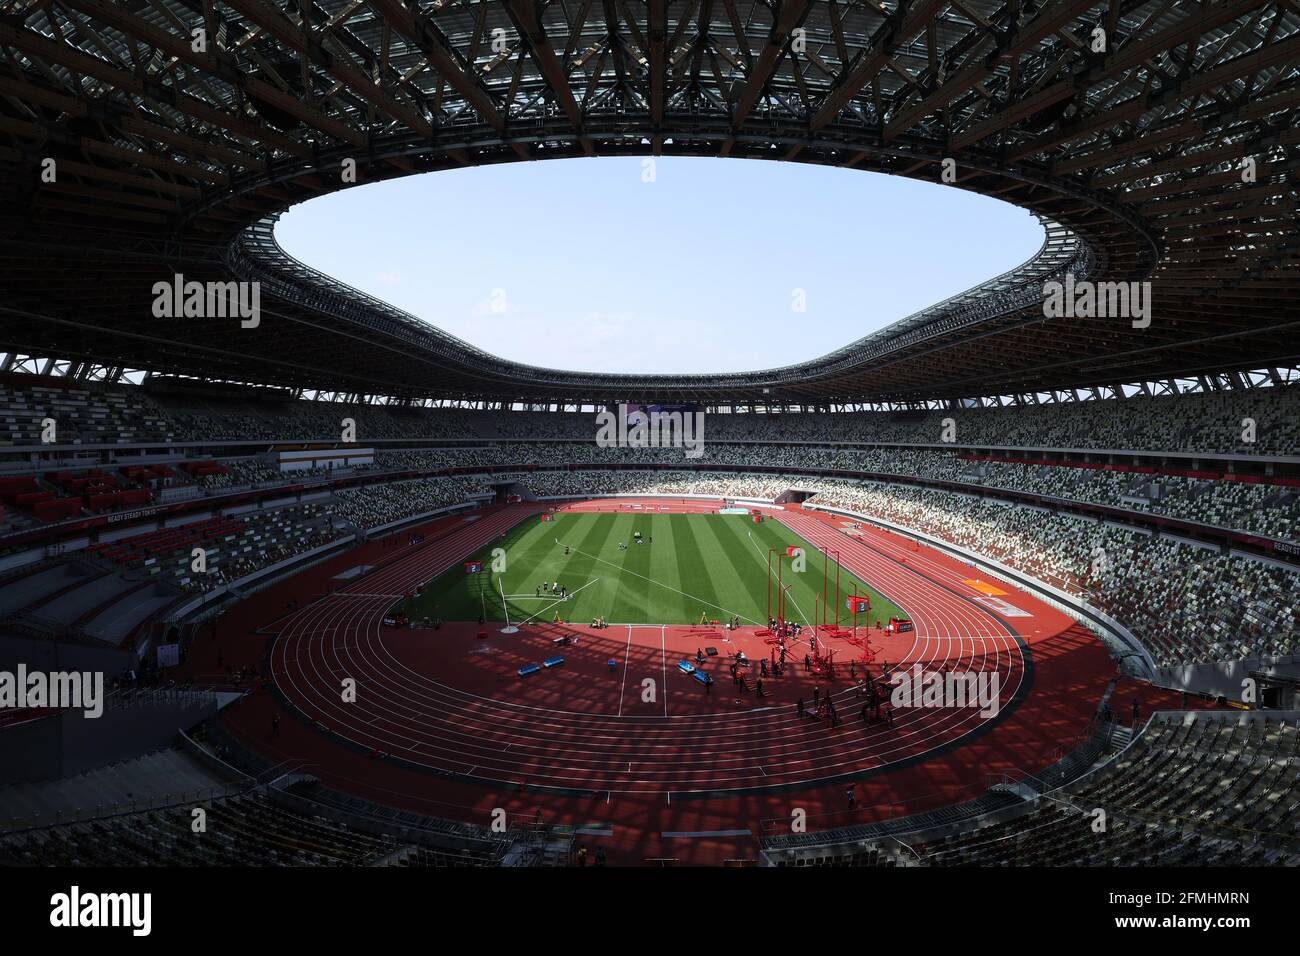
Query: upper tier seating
{"points": [[82, 415], [374, 506], [1210, 422]]}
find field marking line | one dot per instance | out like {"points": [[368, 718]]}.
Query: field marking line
{"points": [[553, 603], [663, 647], [627, 654], [623, 570]]}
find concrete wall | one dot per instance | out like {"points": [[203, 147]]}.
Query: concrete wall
{"points": [[47, 654], [69, 743], [1223, 679]]}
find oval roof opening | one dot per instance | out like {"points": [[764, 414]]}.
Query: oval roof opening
{"points": [[667, 265]]}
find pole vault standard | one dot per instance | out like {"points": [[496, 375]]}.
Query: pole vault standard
{"points": [[780, 597], [837, 591], [769, 582], [509, 628], [826, 553], [780, 593], [825, 559], [855, 610], [770, 552]]}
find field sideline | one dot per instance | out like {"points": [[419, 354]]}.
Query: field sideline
{"points": [[687, 566]]}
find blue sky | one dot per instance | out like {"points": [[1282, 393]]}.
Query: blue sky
{"points": [[580, 264]]}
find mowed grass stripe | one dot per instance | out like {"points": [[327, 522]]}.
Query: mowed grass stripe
{"points": [[668, 561], [639, 596], [460, 596], [655, 593], [528, 547], [633, 590], [692, 571], [595, 558]]}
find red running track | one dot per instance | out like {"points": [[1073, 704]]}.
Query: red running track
{"points": [[451, 702]]}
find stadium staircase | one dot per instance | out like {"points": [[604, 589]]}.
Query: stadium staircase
{"points": [[538, 845]]}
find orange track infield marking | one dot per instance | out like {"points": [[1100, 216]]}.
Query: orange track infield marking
{"points": [[984, 587]]}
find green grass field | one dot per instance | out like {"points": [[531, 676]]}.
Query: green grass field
{"points": [[688, 565]]}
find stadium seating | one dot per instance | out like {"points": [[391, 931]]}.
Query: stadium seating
{"points": [[1192, 790], [246, 830], [234, 546], [1201, 422], [373, 506], [1186, 604], [82, 415]]}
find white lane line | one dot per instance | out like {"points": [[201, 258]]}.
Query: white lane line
{"points": [[663, 646], [626, 655]]}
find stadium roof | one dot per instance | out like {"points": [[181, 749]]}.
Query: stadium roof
{"points": [[180, 129]]}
